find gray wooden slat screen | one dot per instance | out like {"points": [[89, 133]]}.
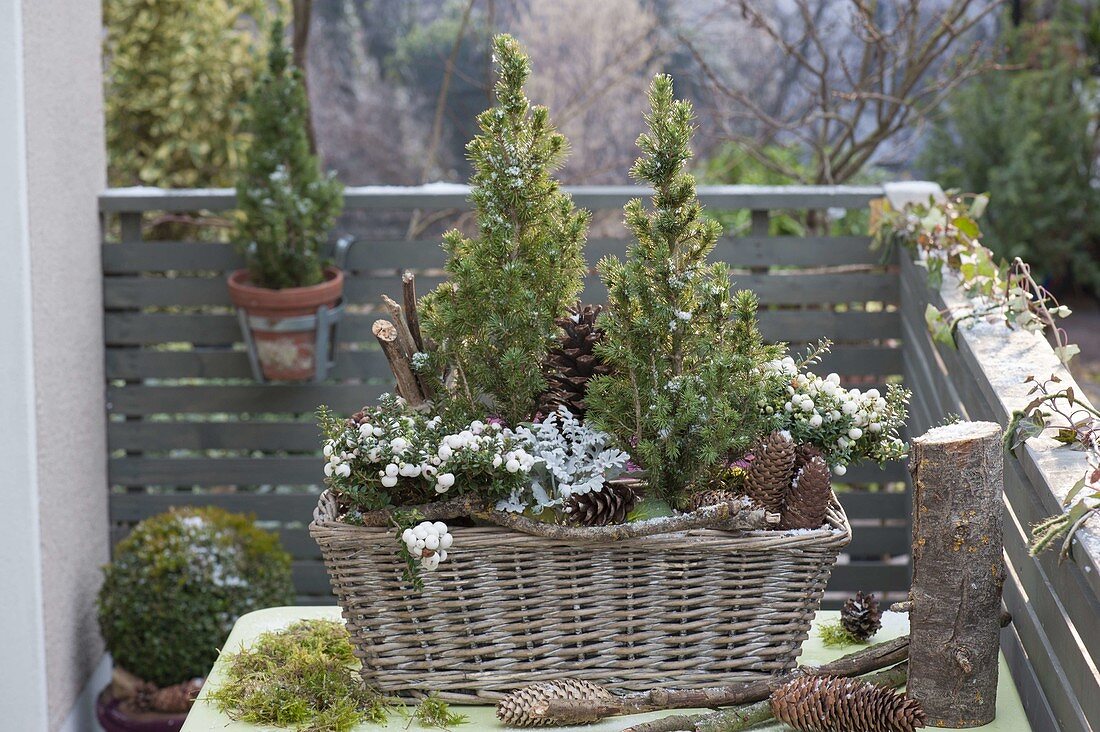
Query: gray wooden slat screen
{"points": [[1052, 645], [186, 425]]}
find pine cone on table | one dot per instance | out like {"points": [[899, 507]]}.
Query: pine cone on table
{"points": [[770, 472], [835, 704], [526, 707], [807, 500], [573, 361], [861, 616], [608, 506]]}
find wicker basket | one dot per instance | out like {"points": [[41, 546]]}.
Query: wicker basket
{"points": [[682, 610]]}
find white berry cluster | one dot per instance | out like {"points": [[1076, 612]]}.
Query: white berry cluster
{"points": [[400, 456], [428, 542], [846, 424]]}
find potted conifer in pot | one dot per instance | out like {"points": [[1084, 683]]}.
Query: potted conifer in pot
{"points": [[286, 295]]}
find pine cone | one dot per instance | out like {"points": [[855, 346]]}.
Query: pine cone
{"points": [[808, 499], [771, 470], [526, 707], [804, 452], [608, 506], [861, 616], [357, 419], [573, 362], [713, 497], [836, 704]]}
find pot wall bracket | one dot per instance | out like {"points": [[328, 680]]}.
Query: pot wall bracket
{"points": [[324, 323]]}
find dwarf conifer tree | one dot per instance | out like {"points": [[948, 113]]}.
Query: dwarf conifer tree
{"points": [[686, 356], [287, 204], [494, 318]]}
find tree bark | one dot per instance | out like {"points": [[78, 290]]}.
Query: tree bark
{"points": [[407, 385], [958, 572], [299, 42], [412, 314]]}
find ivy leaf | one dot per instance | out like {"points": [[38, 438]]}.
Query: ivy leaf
{"points": [[1066, 436], [967, 225], [1067, 352], [977, 207], [938, 326], [1076, 489]]}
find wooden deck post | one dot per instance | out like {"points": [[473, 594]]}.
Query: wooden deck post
{"points": [[958, 572]]}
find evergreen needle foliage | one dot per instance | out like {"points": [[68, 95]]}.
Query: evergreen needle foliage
{"points": [[687, 356], [494, 319], [287, 205], [303, 677]]}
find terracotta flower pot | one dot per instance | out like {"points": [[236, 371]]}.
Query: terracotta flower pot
{"points": [[285, 354], [113, 716]]}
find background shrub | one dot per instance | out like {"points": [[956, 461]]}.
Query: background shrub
{"points": [[178, 583]]}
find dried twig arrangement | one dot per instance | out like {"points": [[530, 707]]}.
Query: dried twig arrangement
{"points": [[401, 340], [733, 516]]}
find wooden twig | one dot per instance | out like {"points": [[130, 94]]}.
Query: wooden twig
{"points": [[406, 340], [407, 385], [873, 658], [743, 717], [412, 315], [437, 511], [730, 516], [404, 337], [743, 516]]}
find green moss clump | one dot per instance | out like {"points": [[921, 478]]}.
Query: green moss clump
{"points": [[835, 635], [434, 712], [302, 677], [177, 585]]}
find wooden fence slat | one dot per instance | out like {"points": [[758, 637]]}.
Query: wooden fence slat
{"points": [[444, 196], [203, 329], [250, 398], [778, 289], [130, 363], [393, 254], [284, 507], [306, 470], [869, 576], [301, 436]]}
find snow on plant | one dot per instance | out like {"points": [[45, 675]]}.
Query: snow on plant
{"points": [[392, 455], [848, 425], [571, 458]]}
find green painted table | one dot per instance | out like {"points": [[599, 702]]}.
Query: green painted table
{"points": [[204, 717]]}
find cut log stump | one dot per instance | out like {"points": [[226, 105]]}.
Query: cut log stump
{"points": [[958, 572]]}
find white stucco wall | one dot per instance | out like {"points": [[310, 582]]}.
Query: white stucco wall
{"points": [[23, 670], [65, 171]]}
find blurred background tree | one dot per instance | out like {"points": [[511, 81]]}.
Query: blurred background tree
{"points": [[1028, 135], [177, 72]]}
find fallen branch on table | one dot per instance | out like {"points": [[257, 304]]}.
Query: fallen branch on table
{"points": [[543, 706], [746, 716]]}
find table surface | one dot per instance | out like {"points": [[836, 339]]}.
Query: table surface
{"points": [[204, 716]]}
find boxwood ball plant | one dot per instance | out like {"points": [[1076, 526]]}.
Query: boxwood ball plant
{"points": [[177, 584]]}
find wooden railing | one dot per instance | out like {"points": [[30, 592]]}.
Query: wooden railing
{"points": [[1053, 643], [186, 424]]}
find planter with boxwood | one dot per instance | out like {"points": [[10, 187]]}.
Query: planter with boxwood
{"points": [[170, 597], [287, 295]]}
